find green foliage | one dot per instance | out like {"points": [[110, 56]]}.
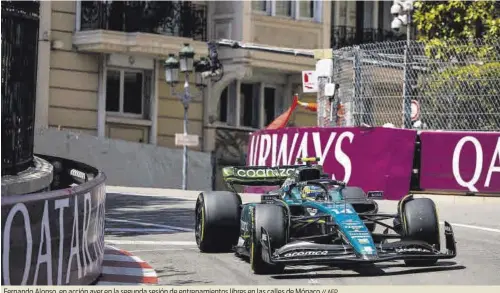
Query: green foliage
{"points": [[441, 25], [466, 94], [463, 97]]}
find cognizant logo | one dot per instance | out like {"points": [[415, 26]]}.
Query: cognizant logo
{"points": [[275, 172]]}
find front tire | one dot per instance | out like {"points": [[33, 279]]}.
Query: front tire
{"points": [[272, 219], [217, 221], [419, 221]]}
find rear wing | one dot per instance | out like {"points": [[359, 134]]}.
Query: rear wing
{"points": [[258, 175]]}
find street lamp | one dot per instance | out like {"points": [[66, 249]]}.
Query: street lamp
{"points": [[186, 57], [402, 12], [184, 64], [200, 66], [171, 70]]}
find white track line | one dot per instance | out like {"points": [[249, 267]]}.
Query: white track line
{"points": [[105, 283], [118, 257], [144, 242], [181, 198], [149, 224], [474, 227], [161, 249], [121, 271], [110, 247], [144, 230]]}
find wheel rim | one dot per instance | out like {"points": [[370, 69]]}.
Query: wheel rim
{"points": [[199, 223]]}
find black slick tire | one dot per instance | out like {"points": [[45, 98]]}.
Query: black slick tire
{"points": [[420, 222], [272, 219], [217, 221]]}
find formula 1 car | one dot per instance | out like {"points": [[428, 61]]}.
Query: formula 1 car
{"points": [[313, 220]]}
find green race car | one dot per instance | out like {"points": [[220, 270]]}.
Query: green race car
{"points": [[311, 219]]}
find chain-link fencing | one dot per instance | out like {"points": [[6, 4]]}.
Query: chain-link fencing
{"points": [[452, 86]]}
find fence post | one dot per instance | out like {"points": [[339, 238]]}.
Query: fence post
{"points": [[324, 71], [213, 160], [358, 103], [409, 81]]}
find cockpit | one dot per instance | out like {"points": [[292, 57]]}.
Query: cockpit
{"points": [[314, 192], [317, 190]]}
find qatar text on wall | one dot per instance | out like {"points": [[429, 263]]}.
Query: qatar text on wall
{"points": [[57, 241]]}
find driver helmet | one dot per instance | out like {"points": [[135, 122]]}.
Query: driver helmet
{"points": [[313, 192]]}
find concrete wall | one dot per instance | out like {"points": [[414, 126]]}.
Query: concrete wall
{"points": [[128, 163], [291, 33]]}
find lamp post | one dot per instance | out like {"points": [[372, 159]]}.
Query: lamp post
{"points": [[186, 65], [402, 11]]}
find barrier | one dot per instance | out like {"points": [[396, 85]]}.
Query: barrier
{"points": [[379, 158], [373, 158], [460, 161], [56, 237]]}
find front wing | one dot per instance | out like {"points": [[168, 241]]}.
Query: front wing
{"points": [[307, 253]]}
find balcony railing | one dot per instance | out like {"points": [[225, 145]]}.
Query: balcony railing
{"points": [[171, 18], [345, 36]]}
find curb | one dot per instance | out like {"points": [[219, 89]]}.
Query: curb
{"points": [[120, 267]]}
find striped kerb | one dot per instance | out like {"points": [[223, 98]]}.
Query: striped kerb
{"points": [[120, 267]]}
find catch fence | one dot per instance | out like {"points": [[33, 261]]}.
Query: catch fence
{"points": [[452, 86]]}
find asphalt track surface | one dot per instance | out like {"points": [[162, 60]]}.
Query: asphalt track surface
{"points": [[157, 225]]}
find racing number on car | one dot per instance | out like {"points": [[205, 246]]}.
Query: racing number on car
{"points": [[342, 211]]}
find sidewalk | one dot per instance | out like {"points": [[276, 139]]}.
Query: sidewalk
{"points": [[120, 267]]}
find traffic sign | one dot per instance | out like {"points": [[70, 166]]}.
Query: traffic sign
{"points": [[309, 81], [186, 139], [415, 110]]}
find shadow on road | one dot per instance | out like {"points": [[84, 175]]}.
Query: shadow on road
{"points": [[147, 215], [368, 271]]}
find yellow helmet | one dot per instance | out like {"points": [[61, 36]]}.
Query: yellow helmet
{"points": [[312, 192]]}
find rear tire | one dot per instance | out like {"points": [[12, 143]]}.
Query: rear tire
{"points": [[420, 222], [217, 220], [272, 218]]}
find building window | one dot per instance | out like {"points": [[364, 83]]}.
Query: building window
{"points": [[298, 9], [269, 105], [306, 9], [260, 6], [283, 8], [126, 92], [249, 105], [113, 91], [223, 105], [258, 105]]}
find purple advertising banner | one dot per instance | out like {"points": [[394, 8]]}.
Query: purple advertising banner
{"points": [[460, 161], [375, 159]]}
